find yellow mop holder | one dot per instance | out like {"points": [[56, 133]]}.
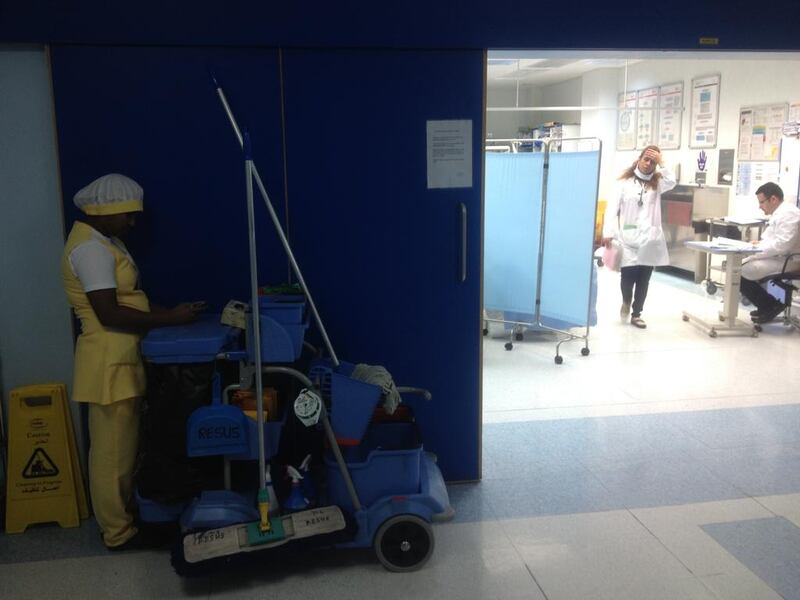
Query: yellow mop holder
{"points": [[43, 479]]}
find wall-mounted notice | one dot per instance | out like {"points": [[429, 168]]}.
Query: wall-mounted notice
{"points": [[626, 121], [705, 112], [751, 175], [670, 116], [449, 154], [760, 131], [646, 112]]}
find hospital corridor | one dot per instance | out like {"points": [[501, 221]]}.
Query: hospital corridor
{"points": [[399, 301]]}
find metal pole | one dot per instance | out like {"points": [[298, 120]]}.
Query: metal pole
{"points": [[276, 222], [255, 312]]}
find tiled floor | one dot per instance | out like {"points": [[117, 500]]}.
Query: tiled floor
{"points": [[662, 465]]}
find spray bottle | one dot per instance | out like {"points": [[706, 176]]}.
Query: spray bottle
{"points": [[309, 490], [296, 500]]}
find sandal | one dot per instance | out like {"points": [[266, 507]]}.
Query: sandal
{"points": [[638, 322]]}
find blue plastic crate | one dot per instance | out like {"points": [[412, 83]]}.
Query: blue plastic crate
{"points": [[284, 309], [386, 463], [216, 430], [280, 342], [196, 342]]}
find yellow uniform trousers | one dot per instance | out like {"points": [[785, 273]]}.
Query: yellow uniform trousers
{"points": [[114, 439]]}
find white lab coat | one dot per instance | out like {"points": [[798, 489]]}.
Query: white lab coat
{"points": [[780, 238], [638, 228]]}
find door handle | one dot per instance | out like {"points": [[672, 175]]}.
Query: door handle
{"points": [[463, 269]]}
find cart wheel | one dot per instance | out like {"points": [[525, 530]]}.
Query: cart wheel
{"points": [[685, 318], [509, 345], [584, 352], [518, 337], [485, 331], [404, 543], [757, 328], [745, 301], [559, 359], [711, 288], [713, 333]]}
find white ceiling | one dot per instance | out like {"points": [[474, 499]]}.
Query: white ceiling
{"points": [[508, 68]]}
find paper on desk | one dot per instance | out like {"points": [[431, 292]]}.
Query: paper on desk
{"points": [[743, 220], [724, 242]]}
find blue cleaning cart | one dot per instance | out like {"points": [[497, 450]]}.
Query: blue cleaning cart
{"points": [[387, 487]]}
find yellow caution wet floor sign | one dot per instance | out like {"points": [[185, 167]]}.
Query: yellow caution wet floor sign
{"points": [[44, 481]]}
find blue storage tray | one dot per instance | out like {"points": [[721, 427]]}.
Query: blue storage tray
{"points": [[387, 463], [199, 341], [352, 404]]}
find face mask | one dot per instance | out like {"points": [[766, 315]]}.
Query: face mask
{"points": [[640, 175]]}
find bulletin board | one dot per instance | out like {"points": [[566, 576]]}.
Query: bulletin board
{"points": [[705, 112], [760, 131], [650, 116]]}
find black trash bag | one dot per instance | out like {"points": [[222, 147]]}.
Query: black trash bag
{"points": [[165, 473]]}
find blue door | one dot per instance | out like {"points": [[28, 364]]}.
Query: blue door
{"points": [[394, 266]]}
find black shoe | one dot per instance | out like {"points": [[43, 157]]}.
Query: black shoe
{"points": [[144, 539], [769, 314]]}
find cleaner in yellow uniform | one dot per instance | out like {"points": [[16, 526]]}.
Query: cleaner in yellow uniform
{"points": [[102, 285]]}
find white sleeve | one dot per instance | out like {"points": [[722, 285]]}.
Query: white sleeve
{"points": [[667, 180], [784, 235], [93, 265]]}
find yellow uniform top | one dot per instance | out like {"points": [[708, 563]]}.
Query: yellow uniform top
{"points": [[108, 365]]}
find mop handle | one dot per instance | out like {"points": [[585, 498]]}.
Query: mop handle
{"points": [[277, 224], [255, 312]]}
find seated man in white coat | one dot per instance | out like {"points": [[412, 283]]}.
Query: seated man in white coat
{"points": [[780, 238]]}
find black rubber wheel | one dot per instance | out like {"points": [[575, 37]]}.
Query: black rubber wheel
{"points": [[584, 352], [509, 346], [518, 337], [559, 359], [404, 543], [711, 288], [485, 331]]}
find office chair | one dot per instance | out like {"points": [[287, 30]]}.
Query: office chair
{"points": [[785, 281]]}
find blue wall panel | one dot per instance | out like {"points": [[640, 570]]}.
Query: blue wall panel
{"points": [[152, 114]]}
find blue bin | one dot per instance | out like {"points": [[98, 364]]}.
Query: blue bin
{"points": [[216, 430], [284, 309], [196, 342], [352, 404], [280, 342], [386, 463], [151, 511]]}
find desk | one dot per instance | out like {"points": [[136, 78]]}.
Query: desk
{"points": [[728, 317]]}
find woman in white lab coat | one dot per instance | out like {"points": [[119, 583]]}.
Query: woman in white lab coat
{"points": [[633, 218]]}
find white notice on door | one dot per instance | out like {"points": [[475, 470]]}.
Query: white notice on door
{"points": [[449, 154]]}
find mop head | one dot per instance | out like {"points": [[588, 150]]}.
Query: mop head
{"points": [[255, 536]]}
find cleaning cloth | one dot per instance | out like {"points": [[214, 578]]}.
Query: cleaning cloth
{"points": [[377, 375]]}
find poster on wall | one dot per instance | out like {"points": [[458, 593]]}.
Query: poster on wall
{"points": [[670, 116], [646, 112], [705, 112], [760, 131], [449, 153], [752, 175], [626, 121], [794, 112]]}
